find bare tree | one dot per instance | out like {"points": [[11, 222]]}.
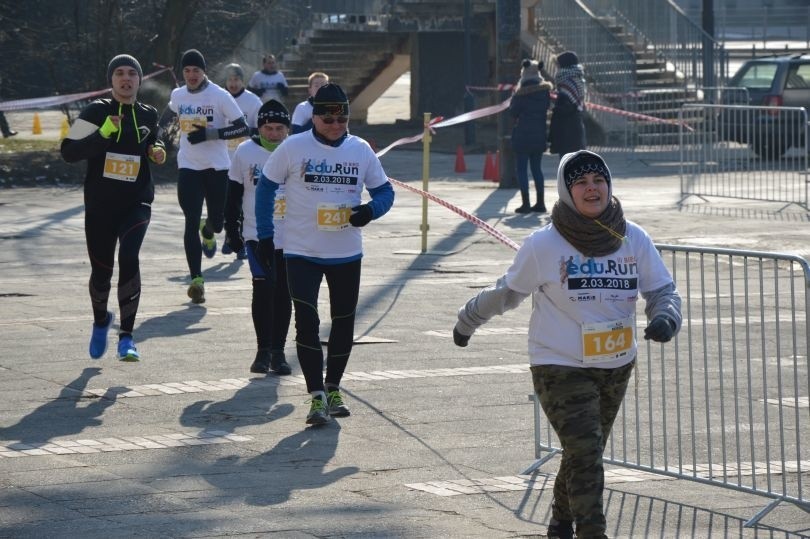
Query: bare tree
{"points": [[172, 27], [63, 47]]}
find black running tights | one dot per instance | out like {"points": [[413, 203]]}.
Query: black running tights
{"points": [[103, 229]]}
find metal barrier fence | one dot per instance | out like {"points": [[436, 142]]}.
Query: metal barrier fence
{"points": [[726, 402], [747, 152]]}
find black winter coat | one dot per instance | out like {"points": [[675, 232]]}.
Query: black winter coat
{"points": [[529, 108], [567, 127]]}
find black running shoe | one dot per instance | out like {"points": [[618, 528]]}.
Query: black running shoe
{"points": [[278, 363], [261, 365]]}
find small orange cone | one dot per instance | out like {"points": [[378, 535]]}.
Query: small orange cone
{"points": [[461, 166], [65, 128], [373, 144], [37, 128], [496, 167], [489, 167]]}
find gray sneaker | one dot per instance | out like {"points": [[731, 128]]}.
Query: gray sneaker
{"points": [[317, 412], [337, 408]]}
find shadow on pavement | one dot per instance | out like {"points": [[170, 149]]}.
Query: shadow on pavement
{"points": [[62, 416]]}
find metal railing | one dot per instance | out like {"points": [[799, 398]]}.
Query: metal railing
{"points": [[746, 152], [763, 24], [726, 402], [663, 27], [567, 24]]}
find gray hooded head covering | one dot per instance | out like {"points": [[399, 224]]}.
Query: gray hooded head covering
{"points": [[572, 166]]}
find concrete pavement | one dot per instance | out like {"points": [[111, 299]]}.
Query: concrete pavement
{"points": [[187, 443]]}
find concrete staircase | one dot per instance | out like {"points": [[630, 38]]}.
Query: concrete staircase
{"points": [[660, 90], [356, 60]]}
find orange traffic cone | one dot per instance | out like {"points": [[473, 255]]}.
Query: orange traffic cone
{"points": [[461, 166], [489, 167], [496, 167], [37, 127], [373, 144]]}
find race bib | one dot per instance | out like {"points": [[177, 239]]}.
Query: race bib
{"points": [[234, 142], [605, 341], [122, 167], [279, 207], [187, 125], [333, 217]]}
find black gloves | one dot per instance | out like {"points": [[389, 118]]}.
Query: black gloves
{"points": [[460, 339], [362, 215], [264, 253], [234, 241], [198, 135], [660, 329]]}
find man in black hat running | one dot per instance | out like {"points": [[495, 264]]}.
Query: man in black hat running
{"points": [[323, 171], [208, 117]]}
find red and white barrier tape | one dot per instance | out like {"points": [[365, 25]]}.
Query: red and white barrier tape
{"points": [[594, 106], [486, 227], [439, 122], [56, 100]]}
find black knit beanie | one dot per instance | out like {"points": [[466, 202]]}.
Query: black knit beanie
{"points": [[273, 112], [123, 60], [567, 59], [193, 57]]}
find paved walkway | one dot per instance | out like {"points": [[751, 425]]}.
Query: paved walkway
{"points": [[187, 443]]}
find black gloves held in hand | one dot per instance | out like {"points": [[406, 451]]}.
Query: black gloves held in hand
{"points": [[234, 241], [362, 215], [660, 329], [460, 339], [264, 252], [198, 135]]}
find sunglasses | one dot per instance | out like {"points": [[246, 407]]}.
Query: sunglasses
{"points": [[329, 120]]}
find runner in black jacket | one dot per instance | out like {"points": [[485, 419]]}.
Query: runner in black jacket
{"points": [[118, 138]]}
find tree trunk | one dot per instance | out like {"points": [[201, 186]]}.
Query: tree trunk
{"points": [[176, 17]]}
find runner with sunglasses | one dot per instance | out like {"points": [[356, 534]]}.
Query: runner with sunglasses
{"points": [[324, 171]]}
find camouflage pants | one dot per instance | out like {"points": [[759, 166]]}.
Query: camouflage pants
{"points": [[581, 405]]}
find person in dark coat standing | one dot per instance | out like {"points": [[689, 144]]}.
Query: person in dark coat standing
{"points": [[567, 122], [528, 107]]}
